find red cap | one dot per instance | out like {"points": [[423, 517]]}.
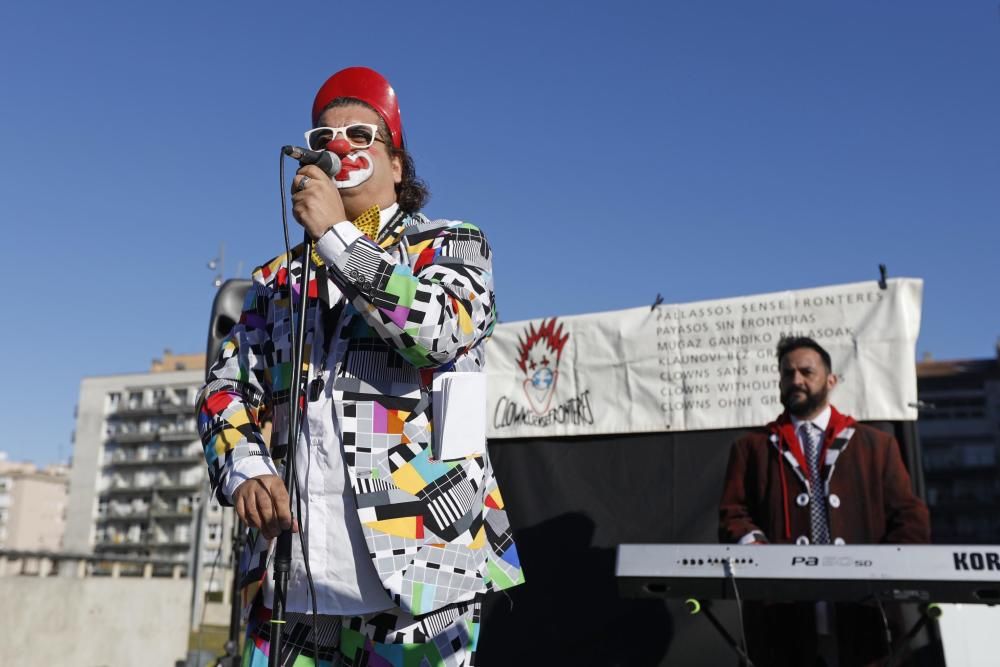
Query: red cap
{"points": [[366, 85]]}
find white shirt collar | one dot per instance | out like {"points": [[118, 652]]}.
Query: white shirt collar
{"points": [[821, 421], [385, 215]]}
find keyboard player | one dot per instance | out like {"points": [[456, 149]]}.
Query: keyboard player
{"points": [[815, 476]]}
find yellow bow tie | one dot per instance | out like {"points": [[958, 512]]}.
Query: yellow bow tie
{"points": [[368, 222]]}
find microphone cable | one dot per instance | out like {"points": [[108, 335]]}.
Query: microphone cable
{"points": [[886, 631], [293, 493], [730, 571]]}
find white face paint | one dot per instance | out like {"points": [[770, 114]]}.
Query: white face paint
{"points": [[355, 169]]}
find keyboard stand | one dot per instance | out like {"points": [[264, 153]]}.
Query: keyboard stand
{"points": [[696, 607], [930, 612]]}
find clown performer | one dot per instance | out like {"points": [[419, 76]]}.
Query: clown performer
{"points": [[403, 535]]}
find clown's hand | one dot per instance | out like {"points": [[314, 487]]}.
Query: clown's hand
{"points": [[316, 203]]}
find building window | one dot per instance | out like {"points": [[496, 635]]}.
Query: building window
{"points": [[974, 456]]}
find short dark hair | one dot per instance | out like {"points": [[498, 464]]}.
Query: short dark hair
{"points": [[412, 192], [790, 343]]}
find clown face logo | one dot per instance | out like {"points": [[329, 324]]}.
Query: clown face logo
{"points": [[538, 358], [355, 169]]}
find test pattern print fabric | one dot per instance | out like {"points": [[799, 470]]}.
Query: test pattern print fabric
{"points": [[446, 638], [419, 302]]}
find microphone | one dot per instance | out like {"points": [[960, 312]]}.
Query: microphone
{"points": [[325, 160]]}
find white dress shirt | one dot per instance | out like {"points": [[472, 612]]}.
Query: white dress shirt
{"points": [[820, 421]]}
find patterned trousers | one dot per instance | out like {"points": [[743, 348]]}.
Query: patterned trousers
{"points": [[446, 638]]}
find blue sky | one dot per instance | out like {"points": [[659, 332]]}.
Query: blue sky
{"points": [[610, 151]]}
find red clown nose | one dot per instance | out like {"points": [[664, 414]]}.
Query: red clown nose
{"points": [[340, 146]]}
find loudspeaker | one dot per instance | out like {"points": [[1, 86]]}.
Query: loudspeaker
{"points": [[226, 309]]}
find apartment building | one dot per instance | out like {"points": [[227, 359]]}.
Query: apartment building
{"points": [[32, 506], [139, 485], [959, 430]]}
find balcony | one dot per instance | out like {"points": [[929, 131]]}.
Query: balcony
{"points": [[118, 490], [132, 437], [179, 488], [180, 459], [172, 515], [145, 488], [123, 457], [120, 542], [162, 407], [178, 435], [176, 485], [954, 428], [161, 435], [125, 517], [945, 469], [169, 545], [156, 460]]}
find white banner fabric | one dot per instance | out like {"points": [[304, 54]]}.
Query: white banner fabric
{"points": [[701, 365]]}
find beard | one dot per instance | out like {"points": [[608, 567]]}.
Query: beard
{"points": [[801, 402]]}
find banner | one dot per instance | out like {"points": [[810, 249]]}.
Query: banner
{"points": [[701, 365]]}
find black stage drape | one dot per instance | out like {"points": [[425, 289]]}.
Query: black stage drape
{"points": [[571, 501]]}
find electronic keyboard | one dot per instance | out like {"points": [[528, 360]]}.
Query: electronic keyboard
{"points": [[927, 573]]}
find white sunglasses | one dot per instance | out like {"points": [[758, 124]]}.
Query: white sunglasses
{"points": [[358, 135]]}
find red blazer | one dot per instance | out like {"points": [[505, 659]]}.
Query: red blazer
{"points": [[870, 499]]}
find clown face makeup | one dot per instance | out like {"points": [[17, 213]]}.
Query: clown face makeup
{"points": [[368, 176], [538, 357], [355, 169]]}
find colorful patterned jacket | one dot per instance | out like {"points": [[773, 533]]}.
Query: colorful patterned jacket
{"points": [[419, 302]]}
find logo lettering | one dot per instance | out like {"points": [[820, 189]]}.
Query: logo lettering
{"points": [[989, 560]]}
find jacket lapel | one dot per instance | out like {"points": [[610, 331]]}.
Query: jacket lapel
{"points": [[838, 444], [389, 236], [790, 456], [838, 434]]}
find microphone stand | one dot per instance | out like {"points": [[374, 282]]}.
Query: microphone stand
{"points": [[232, 646], [283, 550]]}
